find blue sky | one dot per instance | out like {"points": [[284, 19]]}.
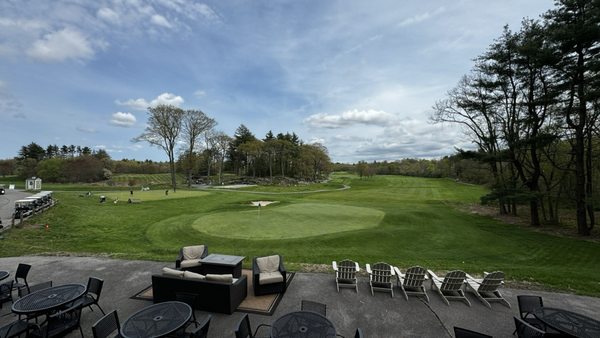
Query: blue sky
{"points": [[359, 77]]}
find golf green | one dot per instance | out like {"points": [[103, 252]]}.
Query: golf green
{"points": [[288, 221]]}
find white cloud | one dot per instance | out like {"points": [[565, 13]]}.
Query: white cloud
{"points": [[108, 15], [160, 20], [167, 98], [199, 93], [62, 45], [135, 104], [86, 130], [142, 104], [351, 117], [121, 119], [421, 17]]}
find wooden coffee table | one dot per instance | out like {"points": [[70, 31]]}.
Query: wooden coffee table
{"points": [[222, 264]]}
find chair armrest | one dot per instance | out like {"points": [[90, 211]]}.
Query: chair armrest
{"points": [[368, 267], [205, 253], [392, 270], [179, 259], [357, 266], [281, 266], [398, 273], [432, 275], [478, 281], [334, 265]]}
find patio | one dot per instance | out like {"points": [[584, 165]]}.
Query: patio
{"points": [[378, 316]]}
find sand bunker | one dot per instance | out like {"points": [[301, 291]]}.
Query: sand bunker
{"points": [[262, 203]]}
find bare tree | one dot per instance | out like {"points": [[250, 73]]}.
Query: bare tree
{"points": [[163, 130], [194, 124], [222, 143]]}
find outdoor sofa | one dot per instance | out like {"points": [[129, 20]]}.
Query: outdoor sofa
{"points": [[212, 296]]}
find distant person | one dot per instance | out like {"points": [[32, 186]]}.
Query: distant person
{"points": [[131, 192], [167, 192]]}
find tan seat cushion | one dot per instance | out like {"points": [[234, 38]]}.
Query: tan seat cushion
{"points": [[172, 272], [268, 263], [270, 278], [192, 252], [227, 278], [190, 263], [193, 275]]}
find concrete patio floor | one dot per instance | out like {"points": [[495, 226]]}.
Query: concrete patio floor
{"points": [[378, 316]]}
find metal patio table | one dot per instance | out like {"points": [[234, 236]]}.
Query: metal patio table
{"points": [[220, 264], [568, 322], [48, 299], [157, 320], [4, 274], [301, 324]]}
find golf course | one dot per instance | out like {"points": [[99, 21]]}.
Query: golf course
{"points": [[400, 220]]}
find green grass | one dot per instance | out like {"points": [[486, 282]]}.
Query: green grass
{"points": [[400, 220]]}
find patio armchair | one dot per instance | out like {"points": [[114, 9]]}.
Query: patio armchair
{"points": [[189, 258], [450, 287], [345, 274], [486, 289], [528, 304], [202, 330], [268, 275], [526, 330], [108, 324], [380, 277], [92, 294], [21, 274], [411, 282]]}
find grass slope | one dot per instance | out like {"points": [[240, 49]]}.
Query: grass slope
{"points": [[405, 221]]}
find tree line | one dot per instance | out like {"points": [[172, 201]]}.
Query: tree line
{"points": [[208, 151], [531, 105]]}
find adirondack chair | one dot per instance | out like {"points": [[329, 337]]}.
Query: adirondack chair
{"points": [[380, 277], [486, 289], [450, 287], [411, 282], [345, 274]]}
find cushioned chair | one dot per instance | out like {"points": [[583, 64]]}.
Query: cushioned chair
{"points": [[345, 274], [108, 324], [189, 258], [486, 289], [268, 275], [464, 333], [451, 287], [411, 282], [380, 277]]}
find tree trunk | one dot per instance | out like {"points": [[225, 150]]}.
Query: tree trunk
{"points": [[589, 176]]}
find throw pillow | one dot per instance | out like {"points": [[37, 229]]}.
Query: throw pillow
{"points": [[193, 275], [268, 264], [220, 278], [192, 252], [172, 272]]}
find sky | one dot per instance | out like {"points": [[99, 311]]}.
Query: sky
{"points": [[359, 77]]}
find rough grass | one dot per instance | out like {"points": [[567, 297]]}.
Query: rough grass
{"points": [[421, 222]]}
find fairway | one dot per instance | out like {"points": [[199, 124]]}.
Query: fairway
{"points": [[290, 221], [400, 220]]}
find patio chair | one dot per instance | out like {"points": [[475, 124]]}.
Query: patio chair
{"points": [[15, 328], [528, 304], [320, 308], [380, 277], [37, 287], [244, 330], [202, 330], [451, 287], [108, 324], [189, 258], [486, 289], [268, 275], [60, 323], [464, 333], [92, 294], [411, 282], [22, 272], [6, 292], [345, 274], [526, 330]]}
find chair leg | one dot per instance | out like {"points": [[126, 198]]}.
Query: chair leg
{"points": [[98, 305]]}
